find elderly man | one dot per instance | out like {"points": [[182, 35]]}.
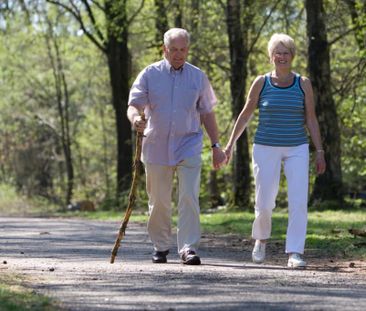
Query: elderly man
{"points": [[176, 98]]}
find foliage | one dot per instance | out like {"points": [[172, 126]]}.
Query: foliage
{"points": [[31, 158]]}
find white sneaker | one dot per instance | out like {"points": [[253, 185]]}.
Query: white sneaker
{"points": [[295, 261], [259, 251]]}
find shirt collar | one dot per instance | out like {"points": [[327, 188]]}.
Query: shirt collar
{"points": [[170, 68]]}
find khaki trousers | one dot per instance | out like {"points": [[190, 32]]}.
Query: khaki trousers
{"points": [[159, 185]]}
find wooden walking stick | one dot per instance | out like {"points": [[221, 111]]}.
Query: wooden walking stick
{"points": [[132, 195]]}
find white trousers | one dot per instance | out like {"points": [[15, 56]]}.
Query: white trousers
{"points": [[159, 185], [267, 162]]}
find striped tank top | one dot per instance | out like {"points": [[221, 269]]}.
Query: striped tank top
{"points": [[281, 115]]}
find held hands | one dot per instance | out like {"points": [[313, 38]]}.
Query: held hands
{"points": [[228, 152], [218, 158]]}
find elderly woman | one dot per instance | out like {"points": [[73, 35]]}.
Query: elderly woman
{"points": [[286, 109]]}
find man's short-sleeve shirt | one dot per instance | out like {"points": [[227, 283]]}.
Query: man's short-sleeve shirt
{"points": [[173, 101]]}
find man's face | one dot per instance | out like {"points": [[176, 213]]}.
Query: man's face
{"points": [[177, 51]]}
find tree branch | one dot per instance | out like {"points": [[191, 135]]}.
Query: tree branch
{"points": [[92, 19], [98, 5], [346, 33], [75, 12], [48, 124], [223, 6], [262, 26], [136, 13]]}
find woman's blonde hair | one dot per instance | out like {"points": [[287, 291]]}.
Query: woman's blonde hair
{"points": [[285, 40]]}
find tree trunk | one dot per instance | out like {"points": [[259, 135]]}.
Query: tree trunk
{"points": [[105, 153], [118, 63], [161, 23], [215, 197], [329, 185], [178, 14], [63, 104], [67, 138], [115, 47], [238, 66], [194, 16]]}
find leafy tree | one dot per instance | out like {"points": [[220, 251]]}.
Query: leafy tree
{"points": [[31, 148], [111, 38], [240, 20], [329, 185]]}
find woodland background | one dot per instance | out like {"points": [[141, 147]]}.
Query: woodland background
{"points": [[66, 67]]}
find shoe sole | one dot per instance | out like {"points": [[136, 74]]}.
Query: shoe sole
{"points": [[257, 261], [192, 262], [159, 261], [290, 265]]}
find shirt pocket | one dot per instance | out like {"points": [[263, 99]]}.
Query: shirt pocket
{"points": [[189, 98], [159, 95]]}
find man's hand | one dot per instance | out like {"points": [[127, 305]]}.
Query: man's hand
{"points": [[218, 158], [139, 124]]}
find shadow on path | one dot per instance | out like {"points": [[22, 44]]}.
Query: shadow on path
{"points": [[69, 259]]}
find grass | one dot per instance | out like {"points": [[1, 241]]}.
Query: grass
{"points": [[14, 204], [15, 297], [327, 230]]}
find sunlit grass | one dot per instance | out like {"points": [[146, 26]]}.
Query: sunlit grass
{"points": [[327, 230], [14, 204], [15, 297]]}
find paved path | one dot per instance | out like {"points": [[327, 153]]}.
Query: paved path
{"points": [[68, 259]]}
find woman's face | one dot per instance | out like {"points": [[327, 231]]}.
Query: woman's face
{"points": [[281, 56]]}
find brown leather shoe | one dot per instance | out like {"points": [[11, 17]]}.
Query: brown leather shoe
{"points": [[160, 257], [190, 258]]}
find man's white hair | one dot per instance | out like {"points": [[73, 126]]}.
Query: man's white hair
{"points": [[176, 33]]}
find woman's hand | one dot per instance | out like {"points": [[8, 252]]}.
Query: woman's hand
{"points": [[229, 152], [320, 164]]}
